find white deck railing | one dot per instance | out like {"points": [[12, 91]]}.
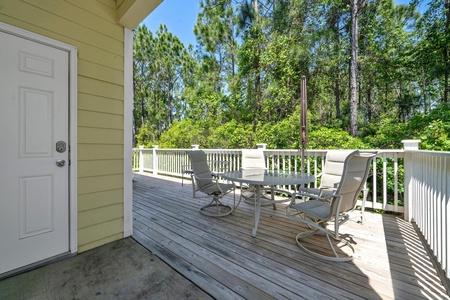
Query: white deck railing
{"points": [[384, 187], [408, 181], [427, 186]]}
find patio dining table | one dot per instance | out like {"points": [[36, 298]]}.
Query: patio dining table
{"points": [[265, 177]]}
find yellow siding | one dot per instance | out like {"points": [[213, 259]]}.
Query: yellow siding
{"points": [[93, 103], [93, 217], [99, 120], [96, 71], [51, 24], [100, 242], [96, 152], [94, 184], [99, 199], [83, 15], [99, 167], [95, 236], [87, 135], [91, 27], [100, 88]]}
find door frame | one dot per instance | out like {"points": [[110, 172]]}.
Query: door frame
{"points": [[73, 89]]}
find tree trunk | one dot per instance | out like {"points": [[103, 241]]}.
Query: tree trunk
{"points": [[255, 7], [354, 69], [446, 50], [337, 100]]}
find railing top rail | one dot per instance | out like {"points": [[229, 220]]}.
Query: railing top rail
{"points": [[308, 151], [430, 152], [267, 149]]}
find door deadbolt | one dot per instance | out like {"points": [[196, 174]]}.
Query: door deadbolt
{"points": [[61, 146]]}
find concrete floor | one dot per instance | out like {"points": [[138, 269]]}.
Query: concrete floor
{"points": [[120, 270]]}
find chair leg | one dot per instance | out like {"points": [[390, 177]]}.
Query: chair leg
{"points": [[321, 229], [216, 209], [193, 186]]}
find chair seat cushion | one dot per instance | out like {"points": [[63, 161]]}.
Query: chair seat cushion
{"points": [[314, 209]]}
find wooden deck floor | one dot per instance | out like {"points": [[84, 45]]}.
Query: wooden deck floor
{"points": [[221, 257]]}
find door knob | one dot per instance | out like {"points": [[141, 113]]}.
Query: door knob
{"points": [[60, 162]]}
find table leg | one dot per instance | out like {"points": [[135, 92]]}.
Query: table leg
{"points": [[257, 209]]}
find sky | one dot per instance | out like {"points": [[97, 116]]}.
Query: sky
{"points": [[180, 17]]}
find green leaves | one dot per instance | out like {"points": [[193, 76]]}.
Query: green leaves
{"points": [[240, 85]]}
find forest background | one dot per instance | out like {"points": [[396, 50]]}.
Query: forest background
{"points": [[377, 73]]}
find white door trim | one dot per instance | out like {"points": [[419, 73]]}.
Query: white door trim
{"points": [[73, 73]]}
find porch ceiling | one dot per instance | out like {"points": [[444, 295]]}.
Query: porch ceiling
{"points": [[130, 13]]}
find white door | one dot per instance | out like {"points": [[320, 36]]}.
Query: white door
{"points": [[34, 190]]}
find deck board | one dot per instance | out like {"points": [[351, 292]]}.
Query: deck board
{"points": [[221, 257]]}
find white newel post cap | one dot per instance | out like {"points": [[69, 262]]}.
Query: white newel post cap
{"points": [[155, 146], [195, 146], [141, 147], [261, 146], [411, 144]]}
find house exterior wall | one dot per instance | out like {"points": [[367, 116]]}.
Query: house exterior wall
{"points": [[91, 27]]}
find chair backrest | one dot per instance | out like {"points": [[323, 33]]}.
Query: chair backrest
{"points": [[334, 167], [253, 159], [200, 168], [355, 173]]}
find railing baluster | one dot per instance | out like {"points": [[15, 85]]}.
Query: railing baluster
{"points": [[396, 181]]}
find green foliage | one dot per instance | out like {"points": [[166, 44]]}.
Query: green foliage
{"points": [[333, 138], [231, 135], [432, 129], [281, 135], [387, 134], [146, 134], [240, 85], [183, 134]]}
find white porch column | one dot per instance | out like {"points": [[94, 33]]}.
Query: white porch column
{"points": [[127, 136], [408, 145]]}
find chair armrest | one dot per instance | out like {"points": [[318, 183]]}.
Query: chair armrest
{"points": [[186, 169], [313, 196]]}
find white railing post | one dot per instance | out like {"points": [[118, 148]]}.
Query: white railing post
{"points": [[141, 159], [195, 146], [408, 145], [155, 160], [261, 146]]}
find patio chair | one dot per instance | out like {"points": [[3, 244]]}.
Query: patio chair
{"points": [[217, 168], [255, 159], [324, 207], [208, 184], [251, 159], [331, 173]]}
